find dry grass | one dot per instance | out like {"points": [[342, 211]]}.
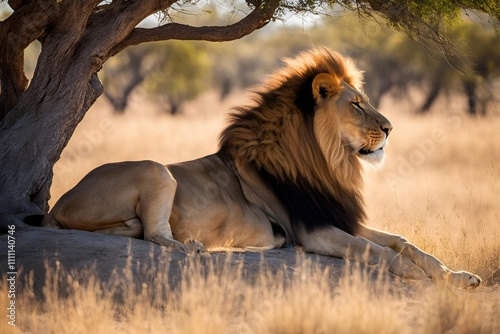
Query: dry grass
{"points": [[221, 302], [438, 189]]}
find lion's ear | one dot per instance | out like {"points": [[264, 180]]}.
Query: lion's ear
{"points": [[325, 85]]}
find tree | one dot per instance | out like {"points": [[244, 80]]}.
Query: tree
{"points": [[482, 48], [37, 118], [171, 71], [123, 74], [393, 63], [183, 72]]}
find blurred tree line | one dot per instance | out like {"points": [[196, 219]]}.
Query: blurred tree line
{"points": [[170, 72], [173, 72], [394, 63]]}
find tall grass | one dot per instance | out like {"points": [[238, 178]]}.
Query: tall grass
{"points": [[218, 300], [439, 189], [439, 186]]}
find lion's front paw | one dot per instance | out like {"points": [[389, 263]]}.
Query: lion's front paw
{"points": [[402, 266], [192, 246], [463, 279]]}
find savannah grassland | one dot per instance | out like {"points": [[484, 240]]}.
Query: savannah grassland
{"points": [[438, 188]]}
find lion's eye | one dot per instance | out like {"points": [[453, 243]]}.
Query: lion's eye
{"points": [[357, 106]]}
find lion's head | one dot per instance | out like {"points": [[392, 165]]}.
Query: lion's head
{"points": [[309, 125], [343, 107]]}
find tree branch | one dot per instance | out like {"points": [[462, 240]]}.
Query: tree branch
{"points": [[67, 32], [20, 29], [258, 18], [123, 16]]}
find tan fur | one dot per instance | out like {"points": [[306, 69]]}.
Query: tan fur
{"points": [[287, 171]]}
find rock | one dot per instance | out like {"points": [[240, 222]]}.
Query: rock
{"points": [[82, 253]]}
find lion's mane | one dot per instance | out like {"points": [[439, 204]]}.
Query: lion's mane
{"points": [[315, 176]]}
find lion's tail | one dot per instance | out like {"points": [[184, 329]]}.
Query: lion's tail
{"points": [[34, 220]]}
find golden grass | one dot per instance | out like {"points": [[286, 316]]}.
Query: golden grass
{"points": [[438, 189], [221, 302]]}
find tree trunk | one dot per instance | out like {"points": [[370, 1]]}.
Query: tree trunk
{"points": [[38, 128], [65, 84], [470, 90], [438, 82], [37, 138], [77, 37], [122, 81], [34, 132]]}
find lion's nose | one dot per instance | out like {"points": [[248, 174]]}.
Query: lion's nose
{"points": [[387, 128]]}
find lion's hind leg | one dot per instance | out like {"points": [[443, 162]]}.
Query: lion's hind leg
{"points": [[50, 221], [154, 209], [131, 228]]}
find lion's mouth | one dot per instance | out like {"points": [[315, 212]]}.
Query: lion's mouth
{"points": [[375, 156], [367, 151]]}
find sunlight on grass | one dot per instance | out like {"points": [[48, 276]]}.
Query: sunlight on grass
{"points": [[219, 300]]}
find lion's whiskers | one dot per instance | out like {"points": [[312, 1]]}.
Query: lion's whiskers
{"points": [[357, 144]]}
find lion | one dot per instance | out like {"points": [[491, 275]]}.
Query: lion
{"points": [[288, 171]]}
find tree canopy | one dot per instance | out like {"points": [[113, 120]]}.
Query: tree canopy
{"points": [[38, 117], [392, 62], [34, 19]]}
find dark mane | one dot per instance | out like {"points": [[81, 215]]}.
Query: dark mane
{"points": [[314, 208]]}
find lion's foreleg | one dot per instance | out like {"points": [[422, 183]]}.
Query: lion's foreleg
{"points": [[433, 267], [337, 243]]}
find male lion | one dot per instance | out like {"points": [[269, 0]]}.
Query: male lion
{"points": [[288, 171]]}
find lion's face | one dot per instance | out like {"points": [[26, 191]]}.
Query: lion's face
{"points": [[342, 108]]}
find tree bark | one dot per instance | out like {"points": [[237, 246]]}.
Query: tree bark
{"points": [[34, 132], [17, 32], [77, 37]]}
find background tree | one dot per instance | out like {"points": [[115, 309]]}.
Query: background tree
{"points": [[394, 63], [183, 71], [77, 37], [481, 46], [123, 74], [172, 72]]}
